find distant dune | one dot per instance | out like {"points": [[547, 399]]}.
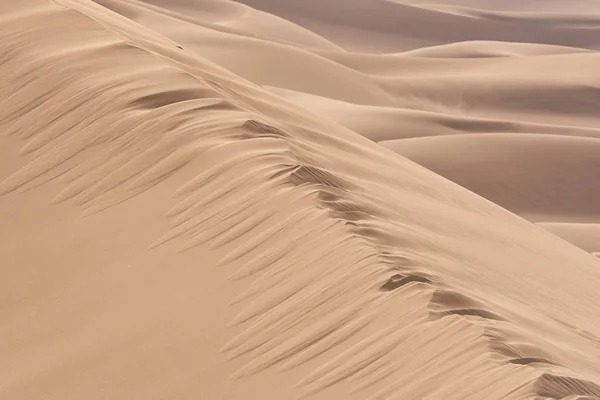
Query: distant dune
{"points": [[200, 200], [392, 26], [483, 86]]}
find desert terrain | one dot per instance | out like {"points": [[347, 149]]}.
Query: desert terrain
{"points": [[268, 199]]}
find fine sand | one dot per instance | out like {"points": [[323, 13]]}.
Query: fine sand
{"points": [[201, 200]]}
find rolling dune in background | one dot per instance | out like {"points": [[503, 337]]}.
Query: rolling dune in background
{"points": [[200, 200], [523, 103]]}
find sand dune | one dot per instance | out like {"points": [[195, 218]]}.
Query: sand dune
{"points": [[482, 87], [392, 26], [219, 15], [584, 235], [487, 49], [529, 88], [579, 6], [262, 61], [173, 230], [388, 123], [541, 177]]}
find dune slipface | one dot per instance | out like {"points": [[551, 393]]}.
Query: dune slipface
{"points": [[173, 230]]}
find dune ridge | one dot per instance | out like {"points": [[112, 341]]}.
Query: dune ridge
{"points": [[475, 87], [219, 241]]}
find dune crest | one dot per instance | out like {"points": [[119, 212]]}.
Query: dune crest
{"points": [[174, 231]]}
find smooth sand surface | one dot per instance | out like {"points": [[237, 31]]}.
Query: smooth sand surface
{"points": [[519, 118], [194, 204]]}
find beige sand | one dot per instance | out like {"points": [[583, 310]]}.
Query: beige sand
{"points": [[545, 92], [173, 230]]}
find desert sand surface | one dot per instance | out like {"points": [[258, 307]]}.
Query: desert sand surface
{"points": [[203, 199]]}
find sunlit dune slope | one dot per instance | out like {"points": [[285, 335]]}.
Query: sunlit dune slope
{"points": [[173, 231]]}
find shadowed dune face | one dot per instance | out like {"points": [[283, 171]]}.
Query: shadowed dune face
{"points": [[541, 177], [173, 230]]}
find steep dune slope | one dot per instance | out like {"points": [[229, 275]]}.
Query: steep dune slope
{"points": [[541, 177], [172, 231]]}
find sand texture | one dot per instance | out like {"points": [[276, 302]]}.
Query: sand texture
{"points": [[333, 199]]}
